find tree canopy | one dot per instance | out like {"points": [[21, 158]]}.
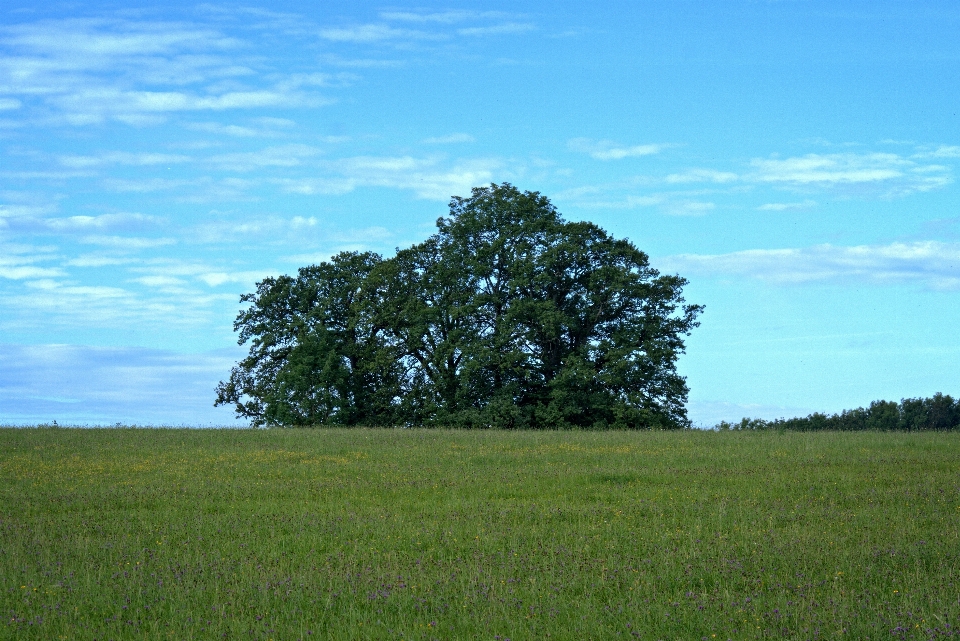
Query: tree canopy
{"points": [[508, 316], [939, 412]]}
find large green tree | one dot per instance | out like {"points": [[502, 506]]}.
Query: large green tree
{"points": [[509, 316], [316, 355], [574, 327]]}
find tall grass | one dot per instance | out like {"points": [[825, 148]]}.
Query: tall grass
{"points": [[381, 534]]}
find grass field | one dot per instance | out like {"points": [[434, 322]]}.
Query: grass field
{"points": [[388, 534]]}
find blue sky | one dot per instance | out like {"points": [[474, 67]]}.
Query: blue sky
{"points": [[795, 160]]}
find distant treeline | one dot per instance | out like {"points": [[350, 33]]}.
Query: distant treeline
{"points": [[940, 412]]}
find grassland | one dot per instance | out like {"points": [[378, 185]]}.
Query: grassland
{"points": [[388, 534]]}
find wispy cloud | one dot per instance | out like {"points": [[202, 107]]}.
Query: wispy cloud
{"points": [[122, 158], [608, 197], [429, 178], [139, 72], [263, 128], [442, 17], [175, 275], [281, 156], [22, 272], [449, 139], [701, 176], [146, 185], [862, 175], [286, 231], [940, 151], [46, 175], [609, 150], [23, 210], [126, 242], [105, 385], [688, 207], [892, 174], [506, 28], [670, 203], [64, 304], [92, 40], [94, 105], [369, 33], [934, 264], [20, 262], [146, 292], [86, 224], [806, 204], [394, 27], [94, 260]]}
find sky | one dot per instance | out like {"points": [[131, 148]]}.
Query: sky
{"points": [[796, 161]]}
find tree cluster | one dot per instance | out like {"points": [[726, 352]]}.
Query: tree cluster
{"points": [[939, 412], [508, 316]]}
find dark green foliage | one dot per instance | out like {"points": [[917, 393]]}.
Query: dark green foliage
{"points": [[508, 316], [939, 412], [316, 354]]}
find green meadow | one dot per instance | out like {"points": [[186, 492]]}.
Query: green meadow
{"points": [[432, 534]]}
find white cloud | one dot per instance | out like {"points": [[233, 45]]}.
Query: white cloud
{"points": [[849, 174], [161, 293], [361, 63], [382, 32], [85, 224], [65, 304], [362, 239], [941, 151], [367, 33], [443, 17], [507, 28], [237, 131], [104, 385], [677, 203], [931, 263], [606, 197], [701, 175], [136, 72], [19, 262], [892, 174], [270, 121], [24, 210], [688, 208], [89, 40], [609, 150], [281, 156], [102, 222], [98, 260], [145, 185], [169, 274], [96, 104], [46, 175], [429, 178], [122, 158], [164, 282], [298, 80], [287, 232], [807, 204], [450, 139], [8, 104], [90, 293], [127, 242], [248, 278], [21, 272]]}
